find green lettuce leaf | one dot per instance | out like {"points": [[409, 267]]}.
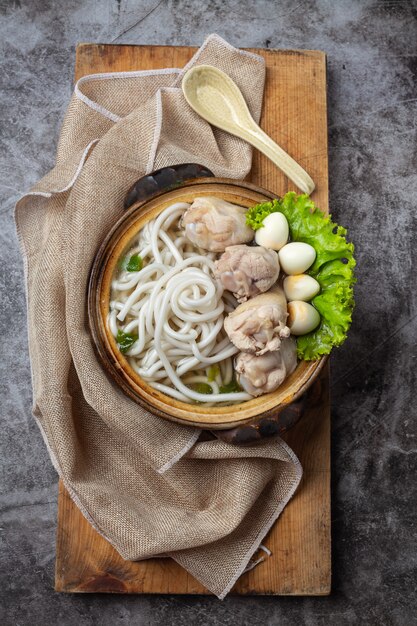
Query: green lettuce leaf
{"points": [[333, 268], [256, 215]]}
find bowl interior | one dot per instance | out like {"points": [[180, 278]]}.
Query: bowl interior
{"points": [[104, 267]]}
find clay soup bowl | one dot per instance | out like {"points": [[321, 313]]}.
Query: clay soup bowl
{"points": [[104, 266]]}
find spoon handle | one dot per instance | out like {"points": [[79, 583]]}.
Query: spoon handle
{"points": [[260, 140]]}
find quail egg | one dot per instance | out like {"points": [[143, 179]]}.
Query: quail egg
{"points": [[300, 287], [302, 317], [274, 232], [296, 257]]}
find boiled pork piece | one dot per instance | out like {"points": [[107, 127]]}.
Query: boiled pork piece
{"points": [[247, 271], [259, 324], [263, 374], [214, 224]]}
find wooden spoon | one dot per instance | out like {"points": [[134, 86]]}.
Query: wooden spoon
{"points": [[217, 98]]}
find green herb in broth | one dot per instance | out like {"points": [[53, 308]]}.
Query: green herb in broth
{"points": [[130, 264], [232, 387], [213, 372], [135, 263], [125, 340], [201, 388]]}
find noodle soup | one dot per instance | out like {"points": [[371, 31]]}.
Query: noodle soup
{"points": [[197, 307]]}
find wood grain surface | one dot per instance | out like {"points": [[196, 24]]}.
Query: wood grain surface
{"points": [[294, 115]]}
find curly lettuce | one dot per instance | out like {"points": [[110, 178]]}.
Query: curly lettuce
{"points": [[333, 268]]}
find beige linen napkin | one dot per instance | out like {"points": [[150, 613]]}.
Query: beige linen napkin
{"points": [[144, 483]]}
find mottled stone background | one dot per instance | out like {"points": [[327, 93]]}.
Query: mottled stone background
{"points": [[372, 65]]}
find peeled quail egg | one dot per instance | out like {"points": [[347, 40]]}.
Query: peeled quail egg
{"points": [[302, 317], [274, 232], [300, 287], [296, 257]]}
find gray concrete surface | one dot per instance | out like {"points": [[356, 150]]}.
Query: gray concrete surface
{"points": [[372, 65]]}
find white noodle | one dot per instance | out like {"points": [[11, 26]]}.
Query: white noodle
{"points": [[176, 308]]}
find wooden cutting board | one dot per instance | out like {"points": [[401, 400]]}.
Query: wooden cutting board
{"points": [[294, 114]]}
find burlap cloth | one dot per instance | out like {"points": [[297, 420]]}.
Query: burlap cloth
{"points": [[144, 483]]}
